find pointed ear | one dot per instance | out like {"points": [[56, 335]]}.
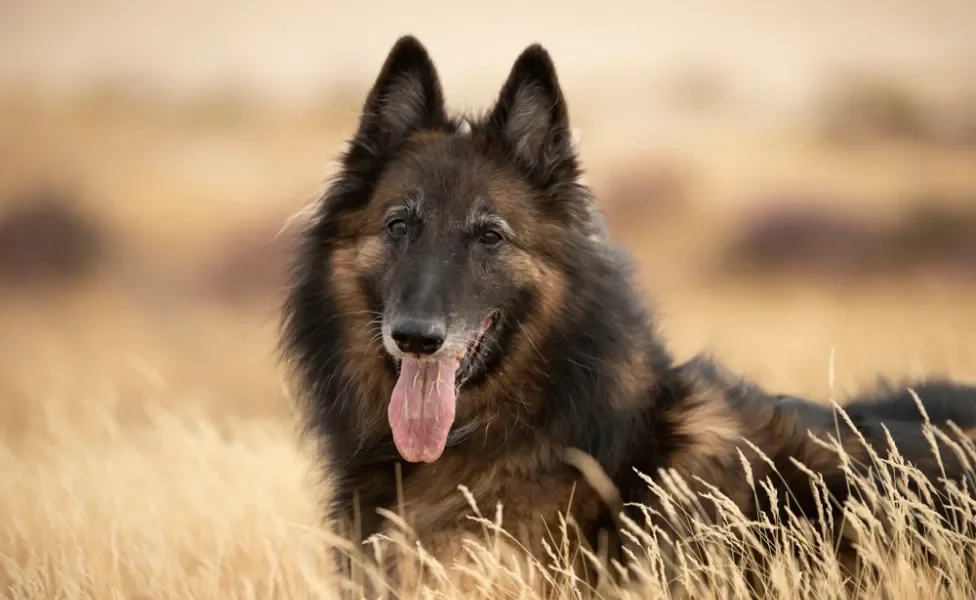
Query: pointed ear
{"points": [[531, 114], [406, 97]]}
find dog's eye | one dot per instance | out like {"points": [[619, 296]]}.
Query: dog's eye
{"points": [[490, 238], [397, 227]]}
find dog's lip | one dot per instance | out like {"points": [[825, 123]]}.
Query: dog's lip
{"points": [[485, 326], [473, 349]]}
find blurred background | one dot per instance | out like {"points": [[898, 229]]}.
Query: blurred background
{"points": [[796, 179]]}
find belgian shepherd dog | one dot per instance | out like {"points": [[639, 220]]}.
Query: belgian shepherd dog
{"points": [[457, 315]]}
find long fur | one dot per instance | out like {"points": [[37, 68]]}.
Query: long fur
{"points": [[577, 377]]}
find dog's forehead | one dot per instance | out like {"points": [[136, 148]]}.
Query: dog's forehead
{"points": [[451, 177], [451, 181]]}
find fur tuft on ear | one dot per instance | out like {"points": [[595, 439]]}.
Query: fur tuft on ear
{"points": [[532, 117], [406, 97]]}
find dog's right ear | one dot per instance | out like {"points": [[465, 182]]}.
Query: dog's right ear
{"points": [[532, 117], [406, 97]]}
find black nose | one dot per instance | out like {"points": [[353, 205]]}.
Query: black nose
{"points": [[418, 336]]}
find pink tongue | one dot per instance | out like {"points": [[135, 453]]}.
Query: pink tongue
{"points": [[422, 408]]}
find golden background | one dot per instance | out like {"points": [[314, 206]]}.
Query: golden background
{"points": [[797, 181]]}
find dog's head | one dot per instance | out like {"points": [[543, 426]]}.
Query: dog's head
{"points": [[444, 239]]}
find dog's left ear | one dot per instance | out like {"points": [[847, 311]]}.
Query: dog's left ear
{"points": [[405, 97], [531, 115]]}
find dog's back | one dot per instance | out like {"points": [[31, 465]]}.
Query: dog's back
{"points": [[902, 410], [942, 400], [939, 443]]}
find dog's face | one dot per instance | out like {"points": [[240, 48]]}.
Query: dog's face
{"points": [[452, 259], [450, 232]]}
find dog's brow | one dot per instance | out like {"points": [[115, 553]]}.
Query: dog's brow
{"points": [[480, 216], [397, 210], [499, 223], [413, 201], [487, 220], [410, 203]]}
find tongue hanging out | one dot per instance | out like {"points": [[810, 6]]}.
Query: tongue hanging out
{"points": [[422, 407]]}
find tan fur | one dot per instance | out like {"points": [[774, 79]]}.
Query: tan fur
{"points": [[440, 515], [359, 339], [423, 136], [443, 520], [713, 418], [714, 429], [698, 421], [635, 376], [433, 506]]}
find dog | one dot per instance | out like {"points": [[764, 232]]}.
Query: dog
{"points": [[458, 315]]}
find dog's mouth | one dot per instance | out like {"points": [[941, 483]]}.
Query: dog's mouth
{"points": [[469, 361], [424, 399]]}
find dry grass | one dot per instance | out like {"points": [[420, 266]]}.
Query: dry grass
{"points": [[148, 450], [139, 461]]}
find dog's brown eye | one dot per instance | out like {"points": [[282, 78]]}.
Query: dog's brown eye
{"points": [[490, 238], [397, 227]]}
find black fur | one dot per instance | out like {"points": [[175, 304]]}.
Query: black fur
{"points": [[577, 396]]}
